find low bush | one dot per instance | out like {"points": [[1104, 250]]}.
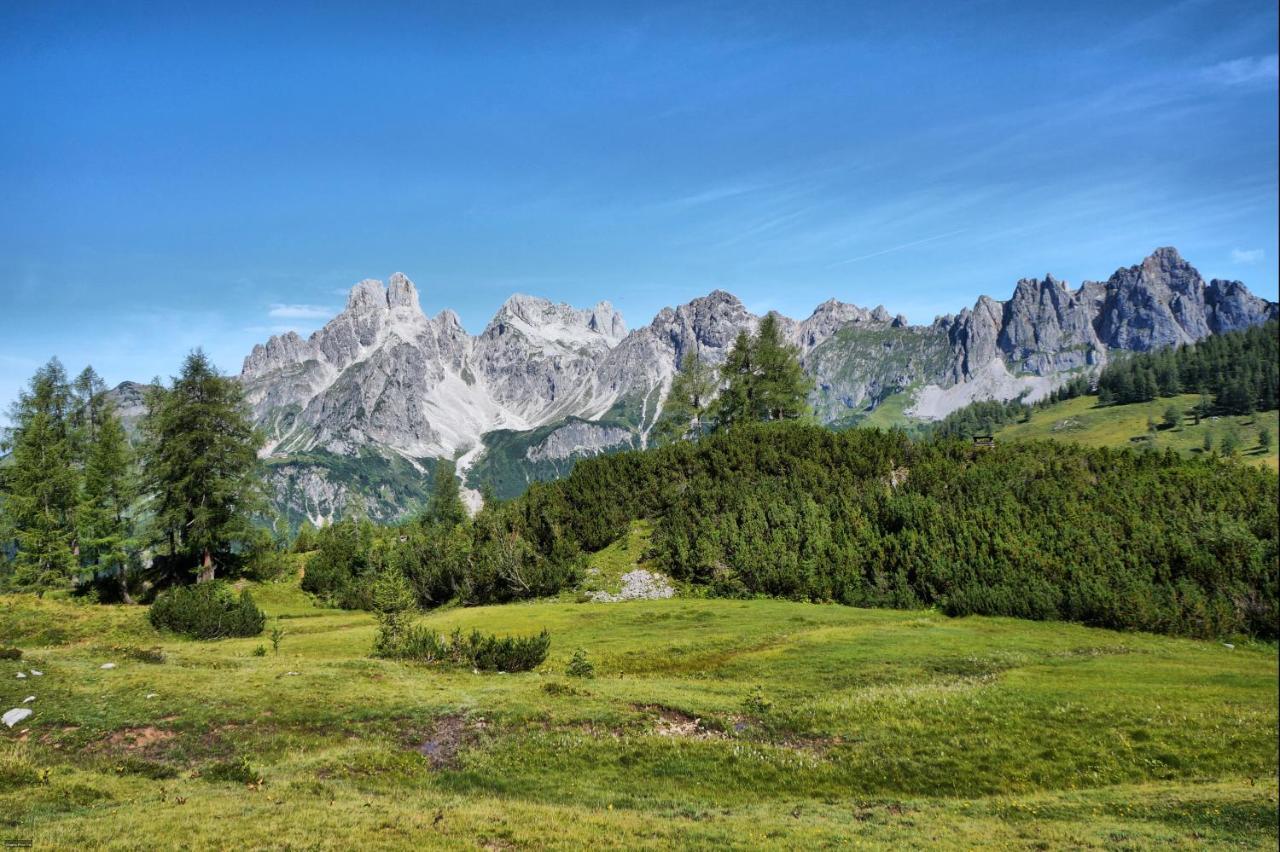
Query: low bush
{"points": [[238, 771], [580, 666], [476, 650], [207, 611]]}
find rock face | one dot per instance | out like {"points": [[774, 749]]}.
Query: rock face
{"points": [[383, 377], [578, 438]]}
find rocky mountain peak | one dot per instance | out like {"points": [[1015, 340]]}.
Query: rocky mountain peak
{"points": [[368, 295], [402, 293]]}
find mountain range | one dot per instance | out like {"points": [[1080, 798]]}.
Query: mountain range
{"points": [[358, 414]]}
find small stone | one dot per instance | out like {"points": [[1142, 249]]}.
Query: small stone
{"points": [[15, 716], [107, 666], [36, 673], [22, 674], [28, 699]]}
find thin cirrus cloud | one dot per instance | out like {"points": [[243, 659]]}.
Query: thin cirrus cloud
{"points": [[1245, 70], [1246, 255], [304, 312]]}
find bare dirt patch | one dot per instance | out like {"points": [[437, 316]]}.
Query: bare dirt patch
{"points": [[669, 722], [447, 736], [147, 741]]}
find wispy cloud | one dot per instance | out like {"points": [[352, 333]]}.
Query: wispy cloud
{"points": [[300, 312], [1246, 255], [1245, 70], [897, 248]]}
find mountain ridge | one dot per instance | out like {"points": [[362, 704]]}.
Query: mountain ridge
{"points": [[382, 376]]}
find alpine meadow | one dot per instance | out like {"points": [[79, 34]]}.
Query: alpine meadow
{"points": [[296, 558]]}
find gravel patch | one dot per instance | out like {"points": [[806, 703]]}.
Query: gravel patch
{"points": [[638, 585]]}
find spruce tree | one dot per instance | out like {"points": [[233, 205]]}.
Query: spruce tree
{"points": [[42, 482], [110, 488], [200, 465]]}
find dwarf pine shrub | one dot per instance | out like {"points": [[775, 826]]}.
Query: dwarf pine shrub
{"points": [[207, 611], [474, 650]]}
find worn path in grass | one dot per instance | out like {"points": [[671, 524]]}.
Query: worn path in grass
{"points": [[709, 724]]}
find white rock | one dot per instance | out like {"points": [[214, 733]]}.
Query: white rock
{"points": [[1228, 645], [36, 673], [22, 674], [153, 695], [638, 585], [28, 699], [15, 716], [107, 666]]}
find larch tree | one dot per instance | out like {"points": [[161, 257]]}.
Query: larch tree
{"points": [[689, 399], [736, 403], [42, 482], [200, 465], [445, 505], [107, 530], [782, 388]]}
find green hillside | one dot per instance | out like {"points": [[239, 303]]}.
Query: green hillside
{"points": [[709, 724], [1083, 421]]}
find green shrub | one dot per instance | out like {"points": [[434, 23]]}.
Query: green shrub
{"points": [[238, 771], [756, 703], [260, 651], [207, 611], [476, 650], [580, 666]]}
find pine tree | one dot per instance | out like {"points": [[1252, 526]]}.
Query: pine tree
{"points": [[687, 402], [1172, 417], [110, 489], [200, 465], [1264, 439], [42, 483]]}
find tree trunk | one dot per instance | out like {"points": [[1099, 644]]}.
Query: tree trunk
{"points": [[206, 569], [124, 587]]}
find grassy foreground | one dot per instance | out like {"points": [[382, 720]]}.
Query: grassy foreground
{"points": [[710, 723]]}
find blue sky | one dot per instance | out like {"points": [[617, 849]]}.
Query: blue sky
{"points": [[176, 175]]}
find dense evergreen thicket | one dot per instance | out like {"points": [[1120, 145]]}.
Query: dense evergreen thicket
{"points": [[1239, 371], [1042, 530]]}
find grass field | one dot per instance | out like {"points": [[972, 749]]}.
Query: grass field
{"points": [[710, 723], [1083, 421]]}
